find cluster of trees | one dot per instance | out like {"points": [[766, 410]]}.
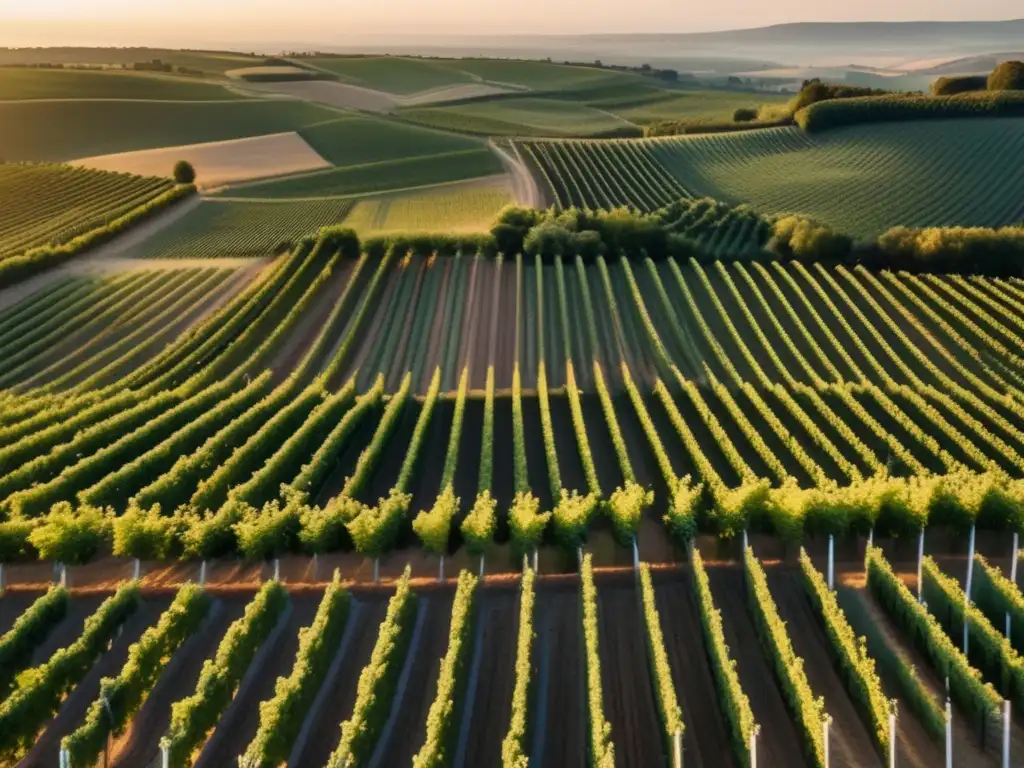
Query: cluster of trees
{"points": [[1008, 76], [974, 249]]}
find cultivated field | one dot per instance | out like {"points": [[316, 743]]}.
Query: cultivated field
{"points": [[66, 130], [51, 204], [458, 208], [80, 84], [220, 162], [227, 228], [862, 180]]}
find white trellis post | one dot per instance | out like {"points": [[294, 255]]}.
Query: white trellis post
{"points": [[1006, 733], [825, 723], [967, 588], [481, 566], [165, 756], [892, 737], [579, 558], [871, 537], [677, 749], [949, 732], [63, 575], [754, 732], [440, 571], [202, 573], [1013, 576], [136, 569], [535, 568], [277, 569], [376, 571], [65, 758], [636, 556], [745, 543], [831, 562], [920, 562]]}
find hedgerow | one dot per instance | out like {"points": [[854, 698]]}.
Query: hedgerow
{"points": [[29, 631], [600, 748], [664, 689], [514, 747]]}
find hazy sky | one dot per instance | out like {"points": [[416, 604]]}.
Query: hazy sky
{"points": [[165, 21]]}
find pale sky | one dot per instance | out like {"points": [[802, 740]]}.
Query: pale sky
{"points": [[163, 21]]}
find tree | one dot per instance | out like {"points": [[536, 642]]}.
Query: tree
{"points": [[184, 173], [1008, 76]]}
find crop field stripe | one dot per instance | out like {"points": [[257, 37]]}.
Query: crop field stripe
{"points": [[370, 456], [580, 428], [486, 475], [157, 315], [43, 304]]}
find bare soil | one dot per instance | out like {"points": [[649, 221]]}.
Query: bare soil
{"points": [[293, 347], [410, 714], [570, 467], [439, 334], [140, 744], [706, 741], [626, 675], [851, 743], [46, 751], [559, 730], [219, 163], [497, 617], [780, 744], [338, 707], [536, 457], [280, 664]]}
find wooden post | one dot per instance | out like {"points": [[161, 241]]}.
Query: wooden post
{"points": [[920, 562], [949, 732], [831, 562], [967, 588], [1013, 576], [892, 738], [1006, 733]]}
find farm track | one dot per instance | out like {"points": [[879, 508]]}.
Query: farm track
{"points": [[780, 744], [625, 674], [46, 751], [243, 727], [851, 741]]}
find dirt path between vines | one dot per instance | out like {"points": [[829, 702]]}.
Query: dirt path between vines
{"points": [[524, 186]]}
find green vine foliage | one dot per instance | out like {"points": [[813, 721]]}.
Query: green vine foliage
{"points": [[513, 747], [40, 691], [29, 630], [442, 718], [121, 697], [377, 681], [282, 715], [601, 748], [194, 717]]}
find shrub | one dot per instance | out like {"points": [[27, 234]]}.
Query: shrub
{"points": [[744, 115], [947, 86], [184, 173], [479, 525], [977, 249], [1008, 76], [901, 107], [147, 534], [72, 536], [799, 237], [815, 91]]}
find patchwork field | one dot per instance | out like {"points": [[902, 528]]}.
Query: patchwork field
{"points": [[391, 74], [377, 177], [221, 162], [223, 228], [51, 204], [862, 180], [65, 130], [458, 208], [83, 84]]}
